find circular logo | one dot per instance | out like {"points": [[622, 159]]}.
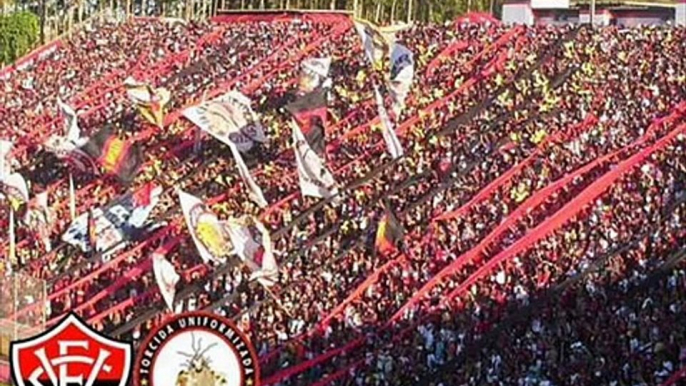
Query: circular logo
{"points": [[196, 348]]}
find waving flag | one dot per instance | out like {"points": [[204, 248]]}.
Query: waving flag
{"points": [[393, 145], [230, 119], [314, 74], [315, 178], [374, 43], [150, 101], [209, 234], [165, 276], [254, 190], [108, 229], [309, 112], [15, 189], [73, 132], [253, 245], [66, 146], [401, 77], [114, 155]]}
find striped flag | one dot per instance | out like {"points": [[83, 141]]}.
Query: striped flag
{"points": [[114, 155]]}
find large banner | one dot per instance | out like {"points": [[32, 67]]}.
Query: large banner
{"points": [[107, 229], [230, 119]]}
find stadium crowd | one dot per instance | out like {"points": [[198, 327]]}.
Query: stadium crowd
{"points": [[541, 188]]}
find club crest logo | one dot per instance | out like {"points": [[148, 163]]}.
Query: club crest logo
{"points": [[70, 353], [196, 349]]}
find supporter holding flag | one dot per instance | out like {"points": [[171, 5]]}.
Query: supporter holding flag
{"points": [[92, 231]]}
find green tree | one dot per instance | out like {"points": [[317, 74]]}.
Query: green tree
{"points": [[381, 11], [19, 33]]}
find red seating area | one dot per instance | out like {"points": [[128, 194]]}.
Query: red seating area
{"points": [[548, 253]]}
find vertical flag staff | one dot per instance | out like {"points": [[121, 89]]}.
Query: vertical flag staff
{"points": [[72, 198], [13, 246]]}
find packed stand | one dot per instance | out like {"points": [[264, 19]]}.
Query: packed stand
{"points": [[501, 135]]}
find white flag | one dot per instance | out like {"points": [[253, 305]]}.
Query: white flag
{"points": [[14, 188], [374, 43], [314, 73], [208, 233], [73, 133], [230, 119], [393, 145], [253, 245], [166, 278], [254, 190], [402, 75], [315, 178]]}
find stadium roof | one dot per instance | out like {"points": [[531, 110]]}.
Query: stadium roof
{"points": [[653, 3]]}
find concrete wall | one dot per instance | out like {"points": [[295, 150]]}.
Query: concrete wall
{"points": [[680, 17], [601, 18], [518, 12]]}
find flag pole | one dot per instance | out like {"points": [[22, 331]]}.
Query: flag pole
{"points": [[13, 247], [72, 199], [276, 300], [268, 291]]}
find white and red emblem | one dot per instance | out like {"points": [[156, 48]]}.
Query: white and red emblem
{"points": [[70, 353]]}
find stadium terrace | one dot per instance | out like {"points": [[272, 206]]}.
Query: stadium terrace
{"points": [[465, 203]]}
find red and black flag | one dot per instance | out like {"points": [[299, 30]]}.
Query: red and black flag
{"points": [[114, 155], [388, 234], [309, 112]]}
